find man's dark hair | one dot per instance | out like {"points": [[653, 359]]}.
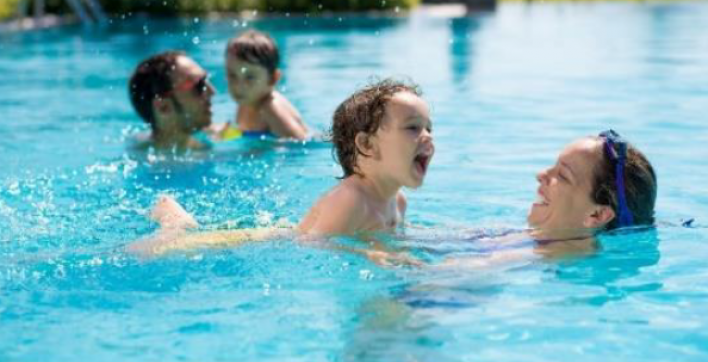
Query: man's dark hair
{"points": [[363, 111], [640, 187], [257, 48], [152, 78]]}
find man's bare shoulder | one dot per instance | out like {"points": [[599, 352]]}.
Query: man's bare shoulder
{"points": [[140, 142]]}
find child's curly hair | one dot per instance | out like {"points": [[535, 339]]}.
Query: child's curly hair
{"points": [[363, 111]]}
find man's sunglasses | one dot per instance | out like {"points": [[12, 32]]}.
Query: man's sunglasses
{"points": [[198, 86]]}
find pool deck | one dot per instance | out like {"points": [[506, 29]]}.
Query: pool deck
{"points": [[441, 10], [30, 23], [49, 21]]}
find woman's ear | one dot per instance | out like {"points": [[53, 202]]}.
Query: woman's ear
{"points": [[600, 216], [363, 144]]}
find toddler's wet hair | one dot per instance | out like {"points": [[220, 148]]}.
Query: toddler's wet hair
{"points": [[363, 111]]}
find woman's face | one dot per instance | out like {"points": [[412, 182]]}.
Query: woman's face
{"points": [[563, 198]]}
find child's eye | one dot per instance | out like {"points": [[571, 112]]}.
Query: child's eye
{"points": [[413, 128]]}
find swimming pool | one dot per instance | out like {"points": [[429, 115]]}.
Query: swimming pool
{"points": [[507, 91]]}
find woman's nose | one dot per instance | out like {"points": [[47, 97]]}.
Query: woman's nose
{"points": [[542, 176]]}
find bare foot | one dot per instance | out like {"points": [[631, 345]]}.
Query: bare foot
{"points": [[170, 214]]}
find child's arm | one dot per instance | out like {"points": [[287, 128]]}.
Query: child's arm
{"points": [[282, 119]]}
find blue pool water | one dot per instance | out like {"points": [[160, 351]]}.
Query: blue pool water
{"points": [[507, 91]]}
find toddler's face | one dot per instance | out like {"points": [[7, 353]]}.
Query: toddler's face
{"points": [[405, 140], [248, 83]]}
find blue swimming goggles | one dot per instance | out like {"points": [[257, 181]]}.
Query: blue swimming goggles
{"points": [[618, 155]]}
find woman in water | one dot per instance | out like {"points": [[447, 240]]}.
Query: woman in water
{"points": [[597, 184]]}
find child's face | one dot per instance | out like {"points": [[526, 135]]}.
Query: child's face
{"points": [[404, 140], [248, 83]]}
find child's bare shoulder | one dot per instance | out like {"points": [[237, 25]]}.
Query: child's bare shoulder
{"points": [[342, 210], [278, 105], [344, 198]]}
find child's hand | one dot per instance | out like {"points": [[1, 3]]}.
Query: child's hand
{"points": [[387, 259]]}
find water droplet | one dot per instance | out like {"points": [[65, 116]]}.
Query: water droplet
{"points": [[365, 274], [195, 40], [196, 20], [235, 23]]}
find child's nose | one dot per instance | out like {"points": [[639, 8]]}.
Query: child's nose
{"points": [[427, 135]]}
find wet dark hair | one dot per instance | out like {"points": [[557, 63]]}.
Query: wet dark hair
{"points": [[639, 182], [257, 48], [152, 77], [363, 111]]}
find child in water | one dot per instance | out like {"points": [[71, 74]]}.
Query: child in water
{"points": [[252, 72]]}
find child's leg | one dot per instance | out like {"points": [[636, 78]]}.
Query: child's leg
{"points": [[170, 214]]}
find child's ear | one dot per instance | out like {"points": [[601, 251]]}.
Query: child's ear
{"points": [[600, 216], [275, 77], [363, 144]]}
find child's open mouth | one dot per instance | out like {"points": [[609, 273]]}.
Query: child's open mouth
{"points": [[421, 163]]}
